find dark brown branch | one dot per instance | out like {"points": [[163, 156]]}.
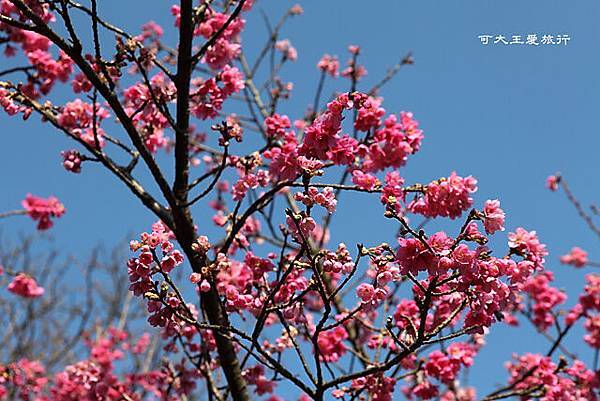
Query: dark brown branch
{"points": [[183, 78]]}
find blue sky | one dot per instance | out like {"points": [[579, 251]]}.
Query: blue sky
{"points": [[509, 115]]}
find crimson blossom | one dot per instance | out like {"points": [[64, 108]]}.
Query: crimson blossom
{"points": [[262, 305]]}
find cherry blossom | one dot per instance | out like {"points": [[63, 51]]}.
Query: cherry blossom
{"points": [[447, 197], [42, 210], [25, 286], [493, 219], [577, 257], [72, 161], [330, 65], [552, 182]]}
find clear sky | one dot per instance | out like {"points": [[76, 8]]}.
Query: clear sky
{"points": [[509, 115]]}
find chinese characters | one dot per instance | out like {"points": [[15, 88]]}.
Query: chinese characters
{"points": [[532, 39]]}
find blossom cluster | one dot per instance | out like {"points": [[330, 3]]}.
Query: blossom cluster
{"points": [[589, 308], [226, 47], [96, 377], [25, 286], [47, 68], [577, 257], [42, 210], [447, 197], [82, 119], [553, 382]]}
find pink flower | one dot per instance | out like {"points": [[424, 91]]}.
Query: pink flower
{"points": [[296, 9], [393, 143], [204, 286], [24, 377], [72, 161], [211, 25], [285, 163], [425, 390], [147, 116], [377, 386], [353, 49], [493, 219], [592, 327], [407, 315], [201, 245], [527, 244], [221, 53], [552, 182], [150, 30], [412, 256], [302, 228], [343, 151], [447, 197], [276, 125], [392, 191], [354, 72], [154, 248], [49, 69], [568, 383], [370, 114], [364, 180], [141, 346], [331, 344], [10, 106], [329, 64], [171, 261], [322, 135], [323, 139], [325, 198], [233, 80], [365, 292], [225, 48], [78, 118], [339, 261], [577, 257], [195, 278], [545, 299], [25, 286], [207, 101], [286, 48], [43, 209], [256, 376], [81, 84], [459, 394], [590, 300], [441, 367], [248, 5]]}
